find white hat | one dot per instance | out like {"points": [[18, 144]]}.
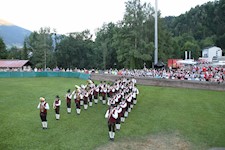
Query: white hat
{"points": [[77, 87], [42, 99], [89, 81], [83, 86]]}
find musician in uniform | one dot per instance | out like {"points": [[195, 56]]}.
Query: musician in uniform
{"points": [[119, 111], [104, 92], [91, 95], [56, 106], [86, 96], [68, 101], [135, 93], [129, 99], [123, 105], [96, 93], [77, 101], [43, 106], [112, 115]]}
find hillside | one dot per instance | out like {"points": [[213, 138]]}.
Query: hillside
{"points": [[205, 23], [12, 35]]}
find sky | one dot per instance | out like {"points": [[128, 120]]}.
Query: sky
{"points": [[78, 15]]}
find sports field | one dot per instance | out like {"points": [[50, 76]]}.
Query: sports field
{"points": [[185, 118]]}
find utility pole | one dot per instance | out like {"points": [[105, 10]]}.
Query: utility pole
{"points": [[156, 32]]}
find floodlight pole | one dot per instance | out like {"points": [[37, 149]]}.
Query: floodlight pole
{"points": [[156, 32], [45, 53]]}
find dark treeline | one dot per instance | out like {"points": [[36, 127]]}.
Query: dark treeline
{"points": [[129, 43]]}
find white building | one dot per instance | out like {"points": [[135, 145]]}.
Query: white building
{"points": [[211, 52]]}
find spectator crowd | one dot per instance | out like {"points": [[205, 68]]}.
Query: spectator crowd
{"points": [[201, 72]]}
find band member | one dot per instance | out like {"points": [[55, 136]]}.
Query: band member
{"points": [[104, 92], [100, 90], [68, 101], [136, 92], [110, 92], [56, 106], [112, 115], [85, 100], [133, 81], [96, 93], [90, 84], [77, 101], [43, 106], [129, 99], [111, 101], [119, 111], [91, 96], [117, 87], [123, 105], [81, 94]]}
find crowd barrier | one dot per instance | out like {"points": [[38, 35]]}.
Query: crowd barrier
{"points": [[165, 82], [44, 74]]}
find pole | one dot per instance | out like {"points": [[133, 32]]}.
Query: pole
{"points": [[45, 51], [156, 32], [45, 59]]}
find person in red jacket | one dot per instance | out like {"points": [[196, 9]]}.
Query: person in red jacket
{"points": [[43, 106]]}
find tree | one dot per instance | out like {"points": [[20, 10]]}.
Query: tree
{"points": [[208, 41], [75, 50], [3, 51], [133, 43], [204, 23], [24, 54], [193, 47], [41, 45], [104, 46], [14, 53]]}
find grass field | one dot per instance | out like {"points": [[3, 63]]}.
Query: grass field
{"points": [[196, 116]]}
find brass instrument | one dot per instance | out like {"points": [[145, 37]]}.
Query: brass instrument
{"points": [[42, 108], [54, 107]]}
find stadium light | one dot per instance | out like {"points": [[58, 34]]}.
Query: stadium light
{"points": [[156, 32], [45, 53]]}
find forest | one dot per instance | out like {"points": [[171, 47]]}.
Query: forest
{"points": [[128, 43]]}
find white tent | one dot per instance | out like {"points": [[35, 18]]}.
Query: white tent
{"points": [[219, 64], [187, 62]]}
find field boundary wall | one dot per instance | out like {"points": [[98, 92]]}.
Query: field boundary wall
{"points": [[165, 82], [44, 74]]}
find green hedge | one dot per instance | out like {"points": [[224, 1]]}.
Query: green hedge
{"points": [[44, 74]]}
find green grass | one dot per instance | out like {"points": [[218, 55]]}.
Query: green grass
{"points": [[197, 115]]}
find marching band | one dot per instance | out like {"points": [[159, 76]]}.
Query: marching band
{"points": [[120, 97]]}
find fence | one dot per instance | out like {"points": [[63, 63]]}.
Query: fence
{"points": [[44, 74]]}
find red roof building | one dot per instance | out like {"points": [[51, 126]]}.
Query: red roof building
{"points": [[4, 63]]}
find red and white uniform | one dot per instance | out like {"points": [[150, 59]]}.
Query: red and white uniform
{"points": [[56, 106], [43, 106], [112, 115]]}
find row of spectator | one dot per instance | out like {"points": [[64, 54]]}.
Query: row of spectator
{"points": [[196, 72]]}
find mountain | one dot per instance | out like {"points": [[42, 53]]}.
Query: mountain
{"points": [[205, 23], [12, 35]]}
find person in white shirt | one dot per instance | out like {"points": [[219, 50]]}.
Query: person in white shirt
{"points": [[43, 106]]}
